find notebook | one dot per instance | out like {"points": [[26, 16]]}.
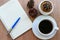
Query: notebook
{"points": [[9, 13]]}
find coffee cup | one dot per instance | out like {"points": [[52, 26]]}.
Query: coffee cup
{"points": [[46, 7], [47, 26], [44, 27]]}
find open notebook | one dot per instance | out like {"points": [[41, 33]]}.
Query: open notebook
{"points": [[9, 13]]}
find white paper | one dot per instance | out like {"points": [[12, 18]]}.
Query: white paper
{"points": [[9, 13]]}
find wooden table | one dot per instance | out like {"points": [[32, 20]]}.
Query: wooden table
{"points": [[29, 34]]}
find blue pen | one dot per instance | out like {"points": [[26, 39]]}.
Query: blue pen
{"points": [[14, 24]]}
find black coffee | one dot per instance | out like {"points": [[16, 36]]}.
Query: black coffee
{"points": [[45, 26]]}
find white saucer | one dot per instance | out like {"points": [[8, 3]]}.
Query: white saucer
{"points": [[36, 31]]}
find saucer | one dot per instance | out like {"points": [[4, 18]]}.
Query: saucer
{"points": [[36, 23]]}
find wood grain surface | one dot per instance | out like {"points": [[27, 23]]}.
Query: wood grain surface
{"points": [[29, 34]]}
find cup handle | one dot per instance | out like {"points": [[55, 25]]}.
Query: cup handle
{"points": [[57, 28]]}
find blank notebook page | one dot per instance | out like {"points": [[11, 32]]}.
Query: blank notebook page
{"points": [[9, 13]]}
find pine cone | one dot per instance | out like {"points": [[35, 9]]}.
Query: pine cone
{"points": [[33, 12], [30, 4]]}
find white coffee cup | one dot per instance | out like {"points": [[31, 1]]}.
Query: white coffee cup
{"points": [[38, 33], [42, 12]]}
